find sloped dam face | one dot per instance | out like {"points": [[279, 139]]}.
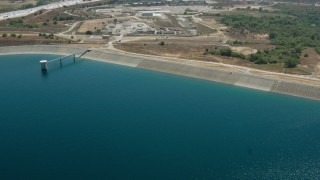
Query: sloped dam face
{"points": [[237, 79], [95, 120]]}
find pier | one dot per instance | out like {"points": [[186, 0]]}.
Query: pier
{"points": [[44, 63]]}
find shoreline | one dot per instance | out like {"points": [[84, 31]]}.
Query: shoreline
{"points": [[272, 82]]}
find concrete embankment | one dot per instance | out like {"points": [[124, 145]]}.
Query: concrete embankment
{"points": [[234, 78], [238, 79]]}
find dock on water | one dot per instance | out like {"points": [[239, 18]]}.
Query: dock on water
{"points": [[44, 63]]}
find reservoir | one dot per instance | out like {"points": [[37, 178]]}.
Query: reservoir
{"points": [[94, 120]]}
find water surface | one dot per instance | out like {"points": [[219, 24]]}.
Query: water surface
{"points": [[93, 120]]}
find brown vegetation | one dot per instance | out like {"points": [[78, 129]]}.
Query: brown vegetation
{"points": [[7, 5], [29, 40], [186, 51]]}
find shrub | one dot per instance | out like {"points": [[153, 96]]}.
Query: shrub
{"points": [[291, 63], [161, 43], [317, 49], [261, 61], [13, 35], [4, 35], [225, 52], [272, 35], [238, 55], [236, 42], [89, 33], [31, 26]]}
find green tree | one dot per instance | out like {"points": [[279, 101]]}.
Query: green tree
{"points": [[225, 52], [272, 35], [317, 49], [89, 33], [291, 62]]}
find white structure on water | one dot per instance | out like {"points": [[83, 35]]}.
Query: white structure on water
{"points": [[44, 65]]}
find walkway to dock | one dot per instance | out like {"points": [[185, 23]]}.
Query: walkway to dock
{"points": [[44, 63]]}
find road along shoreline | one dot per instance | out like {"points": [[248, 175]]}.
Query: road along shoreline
{"points": [[265, 82]]}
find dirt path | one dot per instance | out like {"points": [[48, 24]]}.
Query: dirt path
{"points": [[71, 28]]}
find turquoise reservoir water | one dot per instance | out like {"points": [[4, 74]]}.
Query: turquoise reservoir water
{"points": [[93, 120]]}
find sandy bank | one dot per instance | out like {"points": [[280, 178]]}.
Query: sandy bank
{"points": [[284, 84]]}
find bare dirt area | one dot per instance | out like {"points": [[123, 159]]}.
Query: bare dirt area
{"points": [[43, 22], [29, 40], [247, 36], [261, 36], [169, 49], [250, 42], [19, 32], [259, 46], [196, 40], [210, 21], [204, 30], [161, 22], [93, 25], [7, 5], [280, 69], [196, 51], [310, 60], [243, 50], [185, 51]]}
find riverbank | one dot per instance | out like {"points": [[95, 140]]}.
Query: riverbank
{"points": [[239, 76]]}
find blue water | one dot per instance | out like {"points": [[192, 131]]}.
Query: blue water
{"points": [[93, 120]]}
